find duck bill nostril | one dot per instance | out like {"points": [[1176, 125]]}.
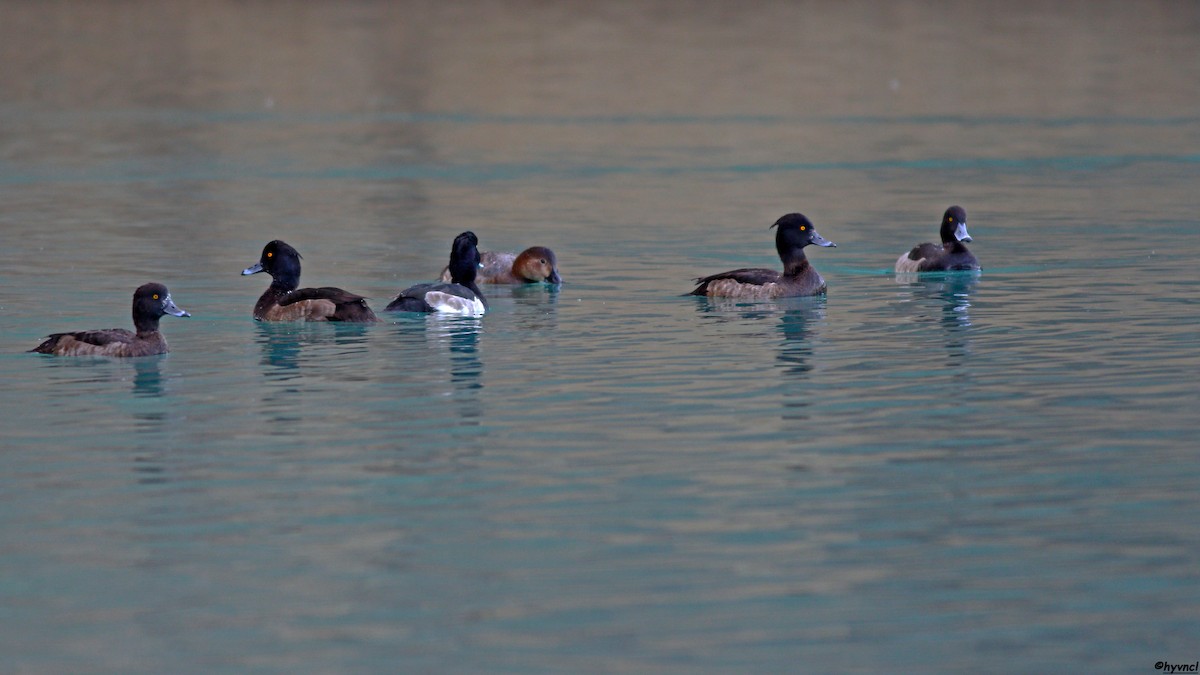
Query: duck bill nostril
{"points": [[171, 308]]}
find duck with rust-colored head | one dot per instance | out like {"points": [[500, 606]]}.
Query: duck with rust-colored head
{"points": [[535, 264], [151, 302], [799, 278], [285, 301], [951, 256], [460, 296]]}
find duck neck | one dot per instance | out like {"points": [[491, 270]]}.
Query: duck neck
{"points": [[145, 325], [464, 271], [270, 297], [475, 289], [285, 283], [794, 262]]}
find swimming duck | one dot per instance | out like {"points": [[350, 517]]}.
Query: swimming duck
{"points": [[793, 233], [534, 264], [460, 296], [950, 256], [150, 303], [282, 301]]}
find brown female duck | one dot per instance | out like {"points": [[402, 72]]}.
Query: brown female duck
{"points": [[150, 303], [533, 265]]}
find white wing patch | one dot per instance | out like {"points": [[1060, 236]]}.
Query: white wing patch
{"points": [[906, 264], [454, 304]]}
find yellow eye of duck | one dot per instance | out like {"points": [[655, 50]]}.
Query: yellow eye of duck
{"points": [[803, 228], [270, 254], [156, 296]]}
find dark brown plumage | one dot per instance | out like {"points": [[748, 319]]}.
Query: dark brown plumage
{"points": [[798, 278], [460, 296], [283, 301], [150, 303], [951, 255]]}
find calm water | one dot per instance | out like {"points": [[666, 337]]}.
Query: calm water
{"points": [[948, 474]]}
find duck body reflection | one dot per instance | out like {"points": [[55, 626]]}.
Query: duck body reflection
{"points": [[945, 299]]}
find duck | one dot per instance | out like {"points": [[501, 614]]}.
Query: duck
{"points": [[460, 296], [793, 232], [284, 301], [151, 302], [951, 256], [535, 264]]}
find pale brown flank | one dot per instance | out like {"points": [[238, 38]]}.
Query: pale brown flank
{"points": [[268, 307], [731, 288], [305, 310]]}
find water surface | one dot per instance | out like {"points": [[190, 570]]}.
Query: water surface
{"points": [[945, 473]]}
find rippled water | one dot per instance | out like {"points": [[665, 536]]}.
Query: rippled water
{"points": [[992, 472]]}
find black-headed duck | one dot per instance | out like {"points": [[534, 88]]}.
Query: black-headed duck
{"points": [[150, 303], [951, 256], [799, 278], [459, 296], [283, 301], [533, 265]]}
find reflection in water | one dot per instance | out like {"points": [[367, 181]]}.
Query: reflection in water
{"points": [[795, 313], [437, 370], [280, 346], [725, 310], [148, 411], [290, 349], [148, 376], [541, 298], [797, 325], [532, 294], [460, 334], [144, 372], [283, 344], [946, 299], [149, 470], [798, 318], [153, 420]]}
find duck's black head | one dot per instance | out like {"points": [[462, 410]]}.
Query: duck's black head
{"points": [[954, 225], [464, 259], [150, 303], [794, 232], [279, 260]]}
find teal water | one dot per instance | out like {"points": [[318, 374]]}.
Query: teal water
{"points": [[990, 473]]}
